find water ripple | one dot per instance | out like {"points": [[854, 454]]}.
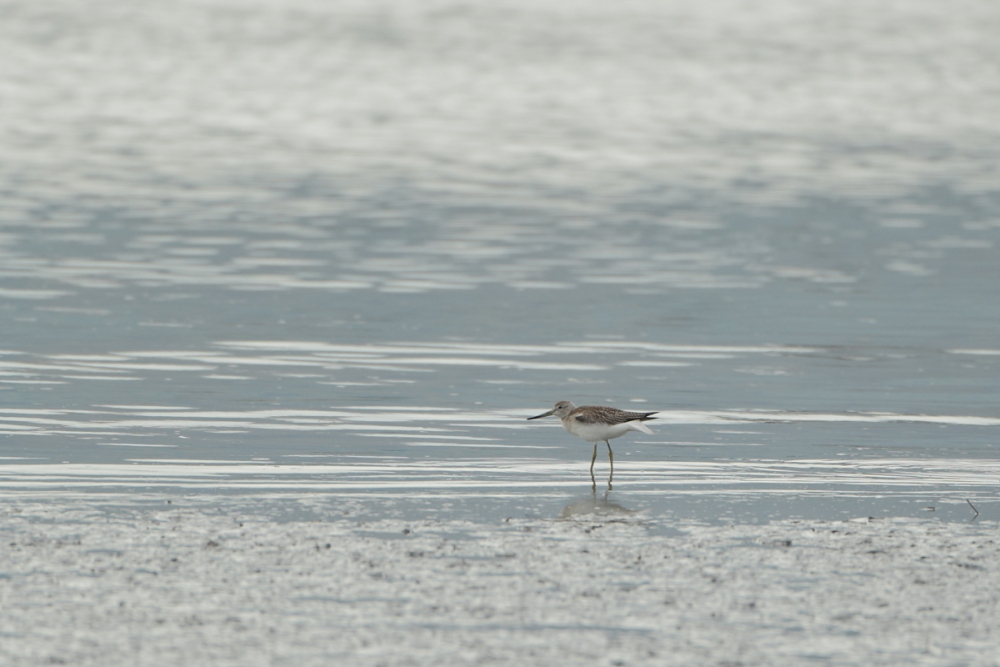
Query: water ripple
{"points": [[511, 476]]}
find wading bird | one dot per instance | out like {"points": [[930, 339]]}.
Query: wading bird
{"points": [[597, 423]]}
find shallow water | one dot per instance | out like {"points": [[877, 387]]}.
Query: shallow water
{"points": [[327, 256]]}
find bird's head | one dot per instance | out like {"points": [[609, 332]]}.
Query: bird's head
{"points": [[561, 409]]}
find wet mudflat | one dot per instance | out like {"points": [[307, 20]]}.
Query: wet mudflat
{"points": [[224, 587]]}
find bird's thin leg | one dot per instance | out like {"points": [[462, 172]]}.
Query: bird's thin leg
{"points": [[611, 457], [592, 459], [593, 483]]}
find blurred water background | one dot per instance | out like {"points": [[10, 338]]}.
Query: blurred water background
{"points": [[327, 256]]}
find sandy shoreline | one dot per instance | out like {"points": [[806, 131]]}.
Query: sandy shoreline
{"points": [[82, 586]]}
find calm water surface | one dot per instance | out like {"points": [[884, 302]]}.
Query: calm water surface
{"points": [[329, 256]]}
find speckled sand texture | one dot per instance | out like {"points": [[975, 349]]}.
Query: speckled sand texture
{"points": [[82, 586]]}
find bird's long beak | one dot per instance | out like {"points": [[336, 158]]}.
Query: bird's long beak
{"points": [[544, 414]]}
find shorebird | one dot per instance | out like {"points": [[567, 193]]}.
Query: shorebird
{"points": [[597, 423]]}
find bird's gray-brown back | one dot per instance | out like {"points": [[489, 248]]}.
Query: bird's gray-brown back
{"points": [[599, 414]]}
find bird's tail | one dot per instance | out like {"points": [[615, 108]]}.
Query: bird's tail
{"points": [[639, 426]]}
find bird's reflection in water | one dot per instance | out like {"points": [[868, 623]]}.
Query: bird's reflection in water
{"points": [[595, 505]]}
